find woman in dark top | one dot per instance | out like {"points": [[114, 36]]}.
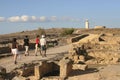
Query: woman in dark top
{"points": [[14, 49], [26, 44]]}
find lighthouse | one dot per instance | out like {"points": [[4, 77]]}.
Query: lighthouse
{"points": [[86, 24]]}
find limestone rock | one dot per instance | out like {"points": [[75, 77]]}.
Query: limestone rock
{"points": [[80, 66]]}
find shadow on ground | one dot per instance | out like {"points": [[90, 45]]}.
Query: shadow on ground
{"points": [[82, 72]]}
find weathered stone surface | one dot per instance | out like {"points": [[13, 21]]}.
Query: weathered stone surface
{"points": [[82, 58], [76, 57], [76, 38], [80, 66], [65, 67], [44, 68]]}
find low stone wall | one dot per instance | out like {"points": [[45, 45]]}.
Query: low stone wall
{"points": [[77, 38], [44, 68], [64, 67]]}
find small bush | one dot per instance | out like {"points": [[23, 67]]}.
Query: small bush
{"points": [[41, 31], [67, 31]]}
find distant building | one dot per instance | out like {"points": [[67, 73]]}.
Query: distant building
{"points": [[99, 27], [87, 24]]}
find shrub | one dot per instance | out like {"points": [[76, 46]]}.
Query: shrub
{"points": [[41, 31], [67, 31]]}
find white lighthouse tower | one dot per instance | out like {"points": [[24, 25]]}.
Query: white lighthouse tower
{"points": [[86, 24]]}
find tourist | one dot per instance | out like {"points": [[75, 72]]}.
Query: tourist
{"points": [[37, 45], [14, 49], [43, 45], [26, 45]]}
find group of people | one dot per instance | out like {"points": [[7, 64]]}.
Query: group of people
{"points": [[40, 45]]}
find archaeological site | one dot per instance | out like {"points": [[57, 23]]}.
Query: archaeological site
{"points": [[89, 54]]}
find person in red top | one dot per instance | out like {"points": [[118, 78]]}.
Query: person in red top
{"points": [[37, 45]]}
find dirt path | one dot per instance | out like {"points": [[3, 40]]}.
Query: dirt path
{"points": [[7, 62]]}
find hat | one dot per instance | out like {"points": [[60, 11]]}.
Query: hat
{"points": [[43, 36]]}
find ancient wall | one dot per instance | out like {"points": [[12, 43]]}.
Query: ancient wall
{"points": [[76, 38]]}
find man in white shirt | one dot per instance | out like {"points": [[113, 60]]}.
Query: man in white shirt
{"points": [[43, 45]]}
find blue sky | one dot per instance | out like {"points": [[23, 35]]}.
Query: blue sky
{"points": [[20, 15]]}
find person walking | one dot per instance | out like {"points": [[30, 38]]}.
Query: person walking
{"points": [[26, 45], [37, 45], [14, 49], [43, 45]]}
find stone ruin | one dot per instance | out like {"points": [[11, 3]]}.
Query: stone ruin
{"points": [[58, 69], [40, 71], [101, 49]]}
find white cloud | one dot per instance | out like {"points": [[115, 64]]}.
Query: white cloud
{"points": [[34, 18], [43, 19], [14, 19], [53, 18], [24, 18], [2, 19]]}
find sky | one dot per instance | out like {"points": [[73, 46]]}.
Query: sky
{"points": [[22, 15]]}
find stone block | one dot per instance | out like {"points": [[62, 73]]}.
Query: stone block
{"points": [[73, 52], [37, 72], [65, 68], [76, 57], [80, 66], [115, 60], [71, 57], [82, 58], [44, 68]]}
